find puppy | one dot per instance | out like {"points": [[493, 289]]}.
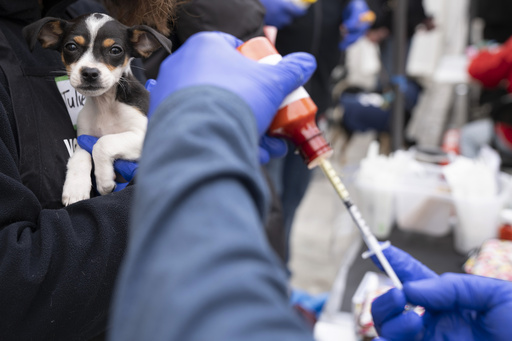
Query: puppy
{"points": [[97, 51]]}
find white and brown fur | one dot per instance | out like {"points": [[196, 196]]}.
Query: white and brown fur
{"points": [[97, 51]]}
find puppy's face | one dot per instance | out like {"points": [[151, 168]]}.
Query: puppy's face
{"points": [[96, 53], [95, 48]]}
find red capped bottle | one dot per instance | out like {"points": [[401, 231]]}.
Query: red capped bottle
{"points": [[295, 119]]}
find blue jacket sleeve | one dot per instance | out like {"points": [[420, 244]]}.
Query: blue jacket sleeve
{"points": [[199, 266]]}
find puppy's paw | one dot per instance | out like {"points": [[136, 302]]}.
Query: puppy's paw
{"points": [[103, 167], [105, 186], [76, 189], [105, 177]]}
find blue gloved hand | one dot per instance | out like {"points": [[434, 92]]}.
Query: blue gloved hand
{"points": [[357, 18], [280, 13], [312, 303], [150, 84], [126, 169], [269, 147], [457, 306], [204, 59]]}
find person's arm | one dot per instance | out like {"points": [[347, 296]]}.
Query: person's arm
{"points": [[199, 257], [57, 267], [357, 18], [199, 266]]}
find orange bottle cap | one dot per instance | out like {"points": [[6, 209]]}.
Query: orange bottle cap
{"points": [[257, 48]]}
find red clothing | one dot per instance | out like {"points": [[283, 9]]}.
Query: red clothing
{"points": [[504, 132], [491, 67]]}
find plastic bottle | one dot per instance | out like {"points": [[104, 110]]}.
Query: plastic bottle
{"points": [[451, 141], [505, 231], [295, 119]]}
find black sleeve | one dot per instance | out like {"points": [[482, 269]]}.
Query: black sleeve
{"points": [[241, 18], [417, 15], [57, 267], [318, 33], [384, 12]]}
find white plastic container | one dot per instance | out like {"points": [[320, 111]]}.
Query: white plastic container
{"points": [[423, 209], [374, 192], [423, 202], [479, 217], [376, 202], [371, 286]]}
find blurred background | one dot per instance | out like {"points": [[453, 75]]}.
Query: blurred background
{"points": [[419, 121]]}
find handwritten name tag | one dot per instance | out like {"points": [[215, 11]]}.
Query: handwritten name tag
{"points": [[73, 100]]}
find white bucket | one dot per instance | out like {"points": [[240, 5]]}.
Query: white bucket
{"points": [[376, 203], [479, 218]]}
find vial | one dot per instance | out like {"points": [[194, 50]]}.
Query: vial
{"points": [[295, 119]]}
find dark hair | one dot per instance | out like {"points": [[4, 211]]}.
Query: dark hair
{"points": [[154, 13]]}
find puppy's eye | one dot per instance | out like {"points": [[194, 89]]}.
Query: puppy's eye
{"points": [[71, 47], [115, 50]]}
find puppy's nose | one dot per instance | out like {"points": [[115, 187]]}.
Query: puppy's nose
{"points": [[90, 74]]}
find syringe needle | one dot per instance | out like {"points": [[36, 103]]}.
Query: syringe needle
{"points": [[366, 233]]}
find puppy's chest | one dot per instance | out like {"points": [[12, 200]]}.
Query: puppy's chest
{"points": [[100, 118]]}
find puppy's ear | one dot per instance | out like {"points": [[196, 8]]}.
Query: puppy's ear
{"points": [[48, 31], [146, 40]]}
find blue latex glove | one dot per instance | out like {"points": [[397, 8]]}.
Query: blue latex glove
{"points": [[150, 84], [269, 147], [280, 13], [357, 18], [126, 169], [312, 303], [457, 306], [211, 58]]}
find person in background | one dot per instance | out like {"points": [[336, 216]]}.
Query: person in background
{"points": [[492, 68], [58, 265], [371, 110], [213, 276]]}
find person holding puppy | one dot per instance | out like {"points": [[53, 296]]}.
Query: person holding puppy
{"points": [[57, 265], [212, 276]]}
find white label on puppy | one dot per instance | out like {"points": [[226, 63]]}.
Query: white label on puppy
{"points": [[73, 100]]}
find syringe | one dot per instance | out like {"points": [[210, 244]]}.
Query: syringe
{"points": [[366, 233], [295, 121]]}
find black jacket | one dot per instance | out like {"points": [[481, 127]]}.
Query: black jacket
{"points": [[57, 265], [317, 32], [241, 18], [496, 15], [384, 11]]}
